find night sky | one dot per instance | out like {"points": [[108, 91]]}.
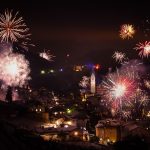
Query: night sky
{"points": [[89, 32]]}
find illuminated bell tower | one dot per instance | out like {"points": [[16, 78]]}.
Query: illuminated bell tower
{"points": [[93, 84]]}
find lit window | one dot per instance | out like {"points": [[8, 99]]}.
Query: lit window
{"points": [[66, 126], [76, 133]]}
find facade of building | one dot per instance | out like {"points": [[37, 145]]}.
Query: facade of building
{"points": [[93, 83], [108, 131]]}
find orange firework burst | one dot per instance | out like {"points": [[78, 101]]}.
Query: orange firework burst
{"points": [[127, 31]]}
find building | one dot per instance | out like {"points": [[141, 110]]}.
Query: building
{"points": [[93, 83], [132, 129], [108, 131], [111, 130]]}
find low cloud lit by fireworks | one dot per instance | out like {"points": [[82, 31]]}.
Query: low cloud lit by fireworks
{"points": [[47, 55], [12, 27], [119, 56], [143, 48], [14, 69], [84, 83], [127, 31]]}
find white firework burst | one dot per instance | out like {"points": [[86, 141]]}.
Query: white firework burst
{"points": [[6, 48], [143, 48], [12, 27], [122, 85], [14, 69], [147, 83], [116, 90], [119, 56], [84, 83], [47, 55], [118, 85]]}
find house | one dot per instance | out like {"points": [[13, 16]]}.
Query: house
{"points": [[36, 111], [132, 129], [81, 119], [111, 130], [108, 131]]}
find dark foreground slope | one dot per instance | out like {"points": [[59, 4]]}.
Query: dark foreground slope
{"points": [[11, 138]]}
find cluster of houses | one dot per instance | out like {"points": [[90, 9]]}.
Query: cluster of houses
{"points": [[61, 123], [73, 127]]}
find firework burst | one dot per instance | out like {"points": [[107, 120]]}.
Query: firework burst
{"points": [[127, 31], [147, 83], [12, 27], [145, 26], [5, 49], [47, 55], [84, 83], [121, 85], [143, 48], [118, 56], [118, 86], [14, 69], [133, 68], [117, 90], [140, 98], [122, 91]]}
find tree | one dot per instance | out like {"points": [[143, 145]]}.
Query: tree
{"points": [[9, 94]]}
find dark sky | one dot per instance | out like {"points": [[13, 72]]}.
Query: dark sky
{"points": [[88, 31]]}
